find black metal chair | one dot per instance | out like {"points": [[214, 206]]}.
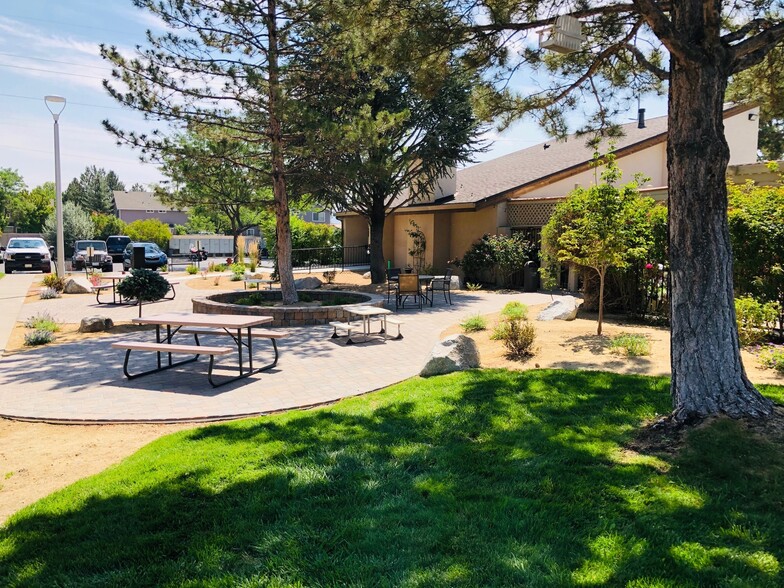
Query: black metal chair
{"points": [[442, 284], [392, 275], [408, 286]]}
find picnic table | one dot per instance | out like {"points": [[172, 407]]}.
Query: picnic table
{"points": [[367, 314], [257, 282], [116, 298], [241, 329]]}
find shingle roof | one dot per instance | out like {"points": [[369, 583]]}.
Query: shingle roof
{"points": [[139, 201], [535, 164]]}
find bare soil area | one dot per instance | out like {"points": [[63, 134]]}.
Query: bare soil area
{"points": [[37, 459]]}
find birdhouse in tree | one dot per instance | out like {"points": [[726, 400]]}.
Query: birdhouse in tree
{"points": [[565, 35]]}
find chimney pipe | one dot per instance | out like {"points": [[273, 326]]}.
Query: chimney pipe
{"points": [[640, 118]]}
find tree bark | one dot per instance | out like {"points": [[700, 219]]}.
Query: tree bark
{"points": [[377, 265], [707, 372], [281, 201], [602, 274]]}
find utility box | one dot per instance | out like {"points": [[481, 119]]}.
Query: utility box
{"points": [[137, 261]]}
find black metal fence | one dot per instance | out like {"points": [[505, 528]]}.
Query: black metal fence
{"points": [[329, 257]]}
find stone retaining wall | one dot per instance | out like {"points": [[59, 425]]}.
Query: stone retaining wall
{"points": [[289, 315]]}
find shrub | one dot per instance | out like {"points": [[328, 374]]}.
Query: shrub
{"points": [[54, 281], [42, 321], [518, 337], [191, 270], [38, 337], [630, 344], [515, 311], [143, 285], [772, 358], [473, 287], [150, 230], [755, 319], [237, 271], [496, 254], [49, 293], [329, 276], [473, 324]]}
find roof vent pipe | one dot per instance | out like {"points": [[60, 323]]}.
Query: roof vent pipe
{"points": [[640, 118]]}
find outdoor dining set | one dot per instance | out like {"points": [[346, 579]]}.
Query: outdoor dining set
{"points": [[417, 288]]}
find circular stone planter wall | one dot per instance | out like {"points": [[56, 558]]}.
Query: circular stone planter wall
{"points": [[287, 316]]}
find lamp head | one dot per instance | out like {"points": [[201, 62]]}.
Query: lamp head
{"points": [[55, 105]]}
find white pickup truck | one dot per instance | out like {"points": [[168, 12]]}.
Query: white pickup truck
{"points": [[27, 254]]}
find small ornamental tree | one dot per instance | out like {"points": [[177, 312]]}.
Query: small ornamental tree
{"points": [[599, 227], [143, 285]]}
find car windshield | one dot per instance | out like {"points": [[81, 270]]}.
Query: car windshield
{"points": [[151, 249], [94, 244], [26, 244]]}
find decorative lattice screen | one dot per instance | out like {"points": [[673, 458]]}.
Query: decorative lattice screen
{"points": [[528, 214]]}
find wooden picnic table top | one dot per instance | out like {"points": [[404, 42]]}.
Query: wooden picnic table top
{"points": [[193, 319]]}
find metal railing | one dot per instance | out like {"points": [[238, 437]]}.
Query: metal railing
{"points": [[329, 257]]}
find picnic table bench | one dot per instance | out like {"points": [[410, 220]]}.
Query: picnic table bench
{"points": [[257, 281]]}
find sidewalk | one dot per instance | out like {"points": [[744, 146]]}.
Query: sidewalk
{"points": [[83, 382], [12, 294]]}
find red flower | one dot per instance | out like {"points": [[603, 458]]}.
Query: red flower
{"points": [[648, 266]]}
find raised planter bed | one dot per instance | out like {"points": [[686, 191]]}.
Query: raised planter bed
{"points": [[287, 316]]}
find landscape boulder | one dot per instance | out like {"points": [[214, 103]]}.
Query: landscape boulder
{"points": [[78, 286], [563, 309], [309, 283], [366, 275], [95, 323], [455, 353]]}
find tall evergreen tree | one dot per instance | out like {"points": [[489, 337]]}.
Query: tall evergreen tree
{"points": [[93, 190], [222, 64]]}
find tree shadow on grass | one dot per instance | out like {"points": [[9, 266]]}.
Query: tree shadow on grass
{"points": [[489, 478]]}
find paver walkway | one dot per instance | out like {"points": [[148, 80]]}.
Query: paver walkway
{"points": [[84, 381]]}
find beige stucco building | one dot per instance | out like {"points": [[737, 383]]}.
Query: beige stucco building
{"points": [[517, 192]]}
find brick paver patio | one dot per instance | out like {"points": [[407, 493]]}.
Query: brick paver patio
{"points": [[84, 381]]}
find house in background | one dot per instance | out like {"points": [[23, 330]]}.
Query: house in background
{"points": [[132, 206], [517, 193], [323, 217]]}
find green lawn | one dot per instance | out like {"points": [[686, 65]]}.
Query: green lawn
{"points": [[484, 478]]}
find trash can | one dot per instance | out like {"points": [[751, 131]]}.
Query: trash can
{"points": [[137, 261], [530, 277]]}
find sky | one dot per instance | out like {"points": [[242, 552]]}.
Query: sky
{"points": [[52, 48]]}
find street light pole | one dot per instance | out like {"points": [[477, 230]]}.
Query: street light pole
{"points": [[53, 105]]}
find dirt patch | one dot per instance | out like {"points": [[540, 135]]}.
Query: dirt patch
{"points": [[38, 459], [347, 280], [68, 333]]}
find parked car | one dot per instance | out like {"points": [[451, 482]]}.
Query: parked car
{"points": [[154, 257], [116, 245], [100, 256], [27, 254]]}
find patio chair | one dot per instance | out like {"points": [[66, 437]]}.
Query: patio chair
{"points": [[408, 286], [392, 274], [442, 284]]}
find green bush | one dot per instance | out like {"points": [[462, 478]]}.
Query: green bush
{"points": [[150, 230], [473, 287], [772, 358], [630, 344], [473, 324], [755, 319], [496, 254], [191, 270], [515, 311], [143, 285], [517, 335], [237, 271], [54, 281], [38, 337], [42, 321]]}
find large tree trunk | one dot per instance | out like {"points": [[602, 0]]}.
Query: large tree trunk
{"points": [[376, 223], [602, 274], [282, 212], [707, 373]]}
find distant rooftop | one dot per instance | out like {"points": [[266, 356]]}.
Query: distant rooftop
{"points": [[139, 201]]}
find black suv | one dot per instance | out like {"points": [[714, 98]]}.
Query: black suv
{"points": [[116, 245]]}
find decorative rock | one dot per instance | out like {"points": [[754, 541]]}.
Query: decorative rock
{"points": [[309, 283], [455, 353], [95, 323], [563, 309], [366, 275], [78, 286]]}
